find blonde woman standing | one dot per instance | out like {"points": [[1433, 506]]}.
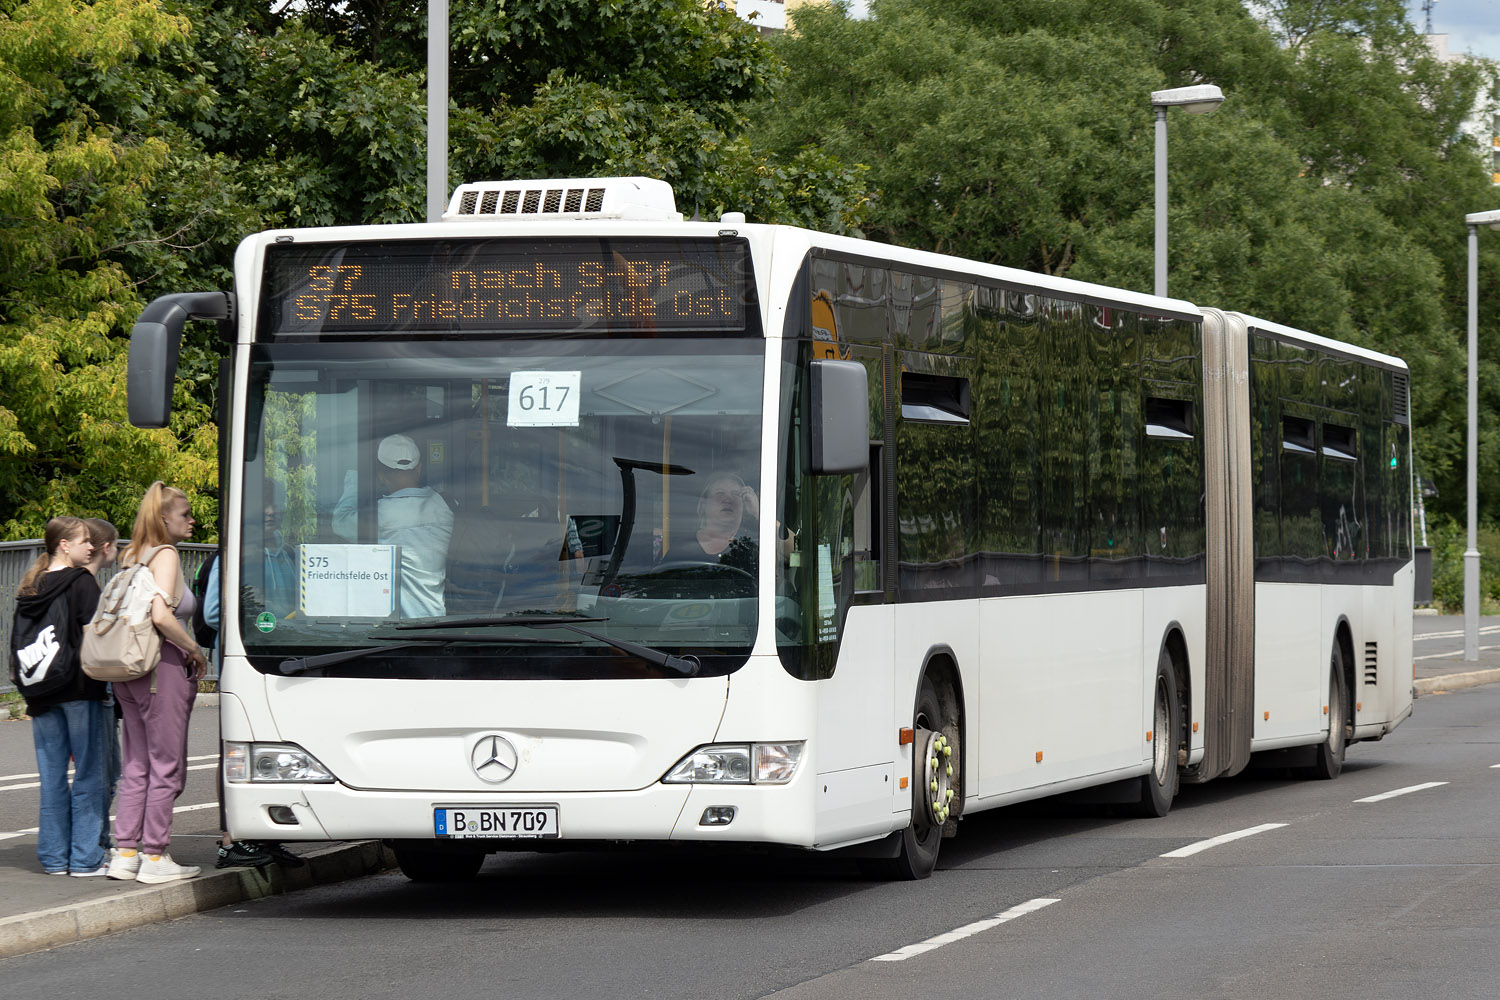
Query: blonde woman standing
{"points": [[155, 708]]}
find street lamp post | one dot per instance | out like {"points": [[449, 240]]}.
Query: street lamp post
{"points": [[1194, 100], [437, 109], [1471, 554]]}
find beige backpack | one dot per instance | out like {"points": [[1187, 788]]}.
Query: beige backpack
{"points": [[120, 643]]}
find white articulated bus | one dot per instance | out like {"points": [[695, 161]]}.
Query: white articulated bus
{"points": [[565, 521]]}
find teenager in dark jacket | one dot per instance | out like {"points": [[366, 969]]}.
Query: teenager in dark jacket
{"points": [[106, 539], [69, 722]]}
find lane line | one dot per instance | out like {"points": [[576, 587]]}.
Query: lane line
{"points": [[38, 784], [967, 930], [1203, 845], [1486, 630], [33, 774], [1449, 656], [31, 830], [1402, 791]]}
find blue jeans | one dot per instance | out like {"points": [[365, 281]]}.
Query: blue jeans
{"points": [[72, 818], [111, 768]]}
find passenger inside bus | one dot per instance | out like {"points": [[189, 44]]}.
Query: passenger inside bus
{"points": [[280, 567], [408, 514]]}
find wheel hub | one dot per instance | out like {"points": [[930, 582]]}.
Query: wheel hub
{"points": [[938, 773]]}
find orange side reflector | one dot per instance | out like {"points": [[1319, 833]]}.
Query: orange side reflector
{"points": [[1359, 706], [1038, 756], [1148, 735], [904, 782], [1325, 709], [1268, 716], [908, 736], [1195, 727]]}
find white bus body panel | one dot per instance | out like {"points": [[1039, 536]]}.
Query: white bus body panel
{"points": [[1065, 671], [1293, 640], [1293, 687], [418, 735], [1380, 707], [859, 711]]}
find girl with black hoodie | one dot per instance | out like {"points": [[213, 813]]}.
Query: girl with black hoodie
{"points": [[69, 722]]}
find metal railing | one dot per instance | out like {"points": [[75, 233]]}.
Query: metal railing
{"points": [[16, 558]]}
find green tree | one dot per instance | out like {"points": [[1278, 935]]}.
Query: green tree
{"points": [[1326, 193], [142, 139], [75, 185]]}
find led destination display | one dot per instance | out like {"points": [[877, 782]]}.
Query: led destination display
{"points": [[507, 286]]}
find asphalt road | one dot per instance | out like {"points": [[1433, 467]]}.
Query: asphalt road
{"points": [[1435, 638], [1328, 897]]}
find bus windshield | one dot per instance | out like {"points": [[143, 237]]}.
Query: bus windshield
{"points": [[609, 483]]}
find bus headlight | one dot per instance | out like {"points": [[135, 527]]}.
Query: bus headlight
{"points": [[738, 764], [272, 762]]}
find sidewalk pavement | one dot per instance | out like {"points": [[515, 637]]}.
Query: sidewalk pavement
{"points": [[39, 911]]}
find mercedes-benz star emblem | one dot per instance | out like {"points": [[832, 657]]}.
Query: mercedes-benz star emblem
{"points": [[493, 759]]}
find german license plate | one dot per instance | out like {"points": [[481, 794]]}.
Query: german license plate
{"points": [[494, 822]]}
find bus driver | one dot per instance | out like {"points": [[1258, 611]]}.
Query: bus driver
{"points": [[408, 514]]}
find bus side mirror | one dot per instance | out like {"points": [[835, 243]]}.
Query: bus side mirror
{"points": [[154, 342], [840, 416]]}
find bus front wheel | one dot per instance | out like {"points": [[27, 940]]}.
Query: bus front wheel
{"points": [[935, 763]]}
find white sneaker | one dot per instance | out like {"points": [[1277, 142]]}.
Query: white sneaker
{"points": [[92, 872], [121, 867], [163, 869]]}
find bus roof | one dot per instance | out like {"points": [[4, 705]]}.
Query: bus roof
{"points": [[1322, 343]]}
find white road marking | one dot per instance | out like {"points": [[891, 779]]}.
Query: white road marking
{"points": [[967, 930], [1449, 656], [33, 774], [1455, 634], [31, 830], [38, 784], [1203, 845], [1402, 791]]}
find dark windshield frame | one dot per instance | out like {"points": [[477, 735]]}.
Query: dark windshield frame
{"points": [[313, 370]]}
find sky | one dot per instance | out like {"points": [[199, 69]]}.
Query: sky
{"points": [[1471, 25]]}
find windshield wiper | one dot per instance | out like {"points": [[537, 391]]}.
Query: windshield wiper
{"points": [[685, 665], [304, 664]]}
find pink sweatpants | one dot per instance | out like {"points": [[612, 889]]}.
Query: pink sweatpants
{"points": [[153, 750]]}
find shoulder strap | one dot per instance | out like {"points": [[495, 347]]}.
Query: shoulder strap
{"points": [[145, 561]]}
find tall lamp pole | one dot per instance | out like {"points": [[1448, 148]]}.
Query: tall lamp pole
{"points": [[1471, 554], [1194, 100], [437, 109]]}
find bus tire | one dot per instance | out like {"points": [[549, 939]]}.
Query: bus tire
{"points": [[917, 852], [1159, 787], [1329, 760], [438, 866]]}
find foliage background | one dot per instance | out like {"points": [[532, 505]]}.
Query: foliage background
{"points": [[141, 139]]}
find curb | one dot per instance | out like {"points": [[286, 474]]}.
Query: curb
{"points": [[1457, 682], [30, 932]]}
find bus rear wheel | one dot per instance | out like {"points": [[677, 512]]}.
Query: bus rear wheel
{"points": [[1329, 761], [1159, 787], [935, 763], [438, 866]]}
